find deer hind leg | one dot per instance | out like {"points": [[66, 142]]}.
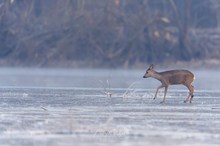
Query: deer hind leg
{"points": [[161, 86], [191, 91]]}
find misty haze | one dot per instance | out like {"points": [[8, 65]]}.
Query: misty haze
{"points": [[71, 72]]}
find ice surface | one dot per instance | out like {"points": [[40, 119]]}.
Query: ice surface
{"points": [[69, 107]]}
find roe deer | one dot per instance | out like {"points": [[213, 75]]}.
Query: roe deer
{"points": [[172, 77]]}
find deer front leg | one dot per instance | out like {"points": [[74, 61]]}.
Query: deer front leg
{"points": [[161, 86], [165, 93]]}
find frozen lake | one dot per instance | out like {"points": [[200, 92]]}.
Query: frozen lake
{"points": [[49, 107]]}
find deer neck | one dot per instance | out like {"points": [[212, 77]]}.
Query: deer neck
{"points": [[157, 76]]}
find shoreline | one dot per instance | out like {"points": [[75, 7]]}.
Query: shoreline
{"points": [[193, 64]]}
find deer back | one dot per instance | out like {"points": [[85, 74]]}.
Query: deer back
{"points": [[177, 77]]}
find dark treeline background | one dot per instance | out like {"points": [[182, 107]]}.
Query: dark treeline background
{"points": [[107, 33]]}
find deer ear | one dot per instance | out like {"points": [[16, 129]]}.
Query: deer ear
{"points": [[151, 66]]}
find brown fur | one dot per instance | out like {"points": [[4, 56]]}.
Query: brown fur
{"points": [[172, 77]]}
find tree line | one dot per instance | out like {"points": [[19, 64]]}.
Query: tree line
{"points": [[107, 33]]}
